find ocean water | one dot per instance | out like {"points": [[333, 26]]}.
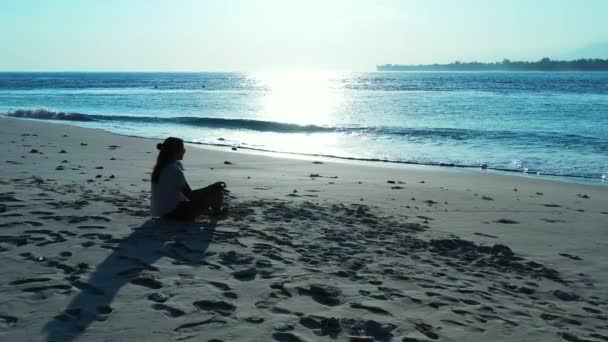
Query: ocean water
{"points": [[529, 122]]}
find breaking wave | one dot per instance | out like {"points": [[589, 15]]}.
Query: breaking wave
{"points": [[254, 125]]}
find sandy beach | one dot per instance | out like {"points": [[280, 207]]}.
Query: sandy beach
{"points": [[311, 250]]}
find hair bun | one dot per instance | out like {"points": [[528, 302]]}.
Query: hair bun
{"points": [[159, 146]]}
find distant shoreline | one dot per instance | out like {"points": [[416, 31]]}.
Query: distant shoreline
{"points": [[544, 64]]}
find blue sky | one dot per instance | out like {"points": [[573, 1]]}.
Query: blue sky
{"points": [[254, 35]]}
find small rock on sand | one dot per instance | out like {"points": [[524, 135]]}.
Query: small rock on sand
{"points": [[566, 296], [158, 297]]}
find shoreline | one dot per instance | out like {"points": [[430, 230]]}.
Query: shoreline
{"points": [[373, 162], [311, 250]]}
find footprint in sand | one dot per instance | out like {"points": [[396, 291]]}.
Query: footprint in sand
{"points": [[592, 310], [88, 287], [230, 294], [29, 280], [221, 286], [437, 305], [88, 244], [48, 287], [104, 309], [17, 223], [167, 310], [49, 242], [461, 312], [470, 301], [41, 212], [552, 221], [190, 326], [102, 237], [372, 309], [130, 271], [67, 269], [245, 274], [91, 227], [220, 307], [486, 235], [254, 319], [426, 329], [570, 256], [147, 280], [138, 262], [7, 320], [453, 322], [12, 215], [506, 221]]}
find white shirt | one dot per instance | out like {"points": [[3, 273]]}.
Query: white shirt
{"points": [[167, 194]]}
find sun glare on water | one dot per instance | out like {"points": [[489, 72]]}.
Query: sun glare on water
{"points": [[299, 97]]}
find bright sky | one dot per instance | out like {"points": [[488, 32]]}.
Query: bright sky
{"points": [[253, 35]]}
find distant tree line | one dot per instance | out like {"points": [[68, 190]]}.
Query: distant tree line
{"points": [[544, 64]]}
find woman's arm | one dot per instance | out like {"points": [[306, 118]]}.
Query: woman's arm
{"points": [[187, 191]]}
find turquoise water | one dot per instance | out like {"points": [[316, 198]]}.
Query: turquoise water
{"points": [[548, 123]]}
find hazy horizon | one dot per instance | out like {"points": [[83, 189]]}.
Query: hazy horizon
{"points": [[239, 35]]}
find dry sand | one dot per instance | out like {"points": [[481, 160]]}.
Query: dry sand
{"points": [[311, 251]]}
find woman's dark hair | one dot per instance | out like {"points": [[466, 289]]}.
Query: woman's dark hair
{"points": [[166, 155]]}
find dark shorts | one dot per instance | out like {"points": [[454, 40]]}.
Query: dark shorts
{"points": [[206, 200]]}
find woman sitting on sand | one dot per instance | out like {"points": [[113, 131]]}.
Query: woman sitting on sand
{"points": [[172, 197]]}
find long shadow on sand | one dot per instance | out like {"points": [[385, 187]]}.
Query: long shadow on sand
{"points": [[132, 261]]}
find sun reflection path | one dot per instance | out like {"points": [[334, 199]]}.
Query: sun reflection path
{"points": [[300, 97]]}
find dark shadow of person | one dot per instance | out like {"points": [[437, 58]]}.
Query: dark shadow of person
{"points": [[131, 261]]}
